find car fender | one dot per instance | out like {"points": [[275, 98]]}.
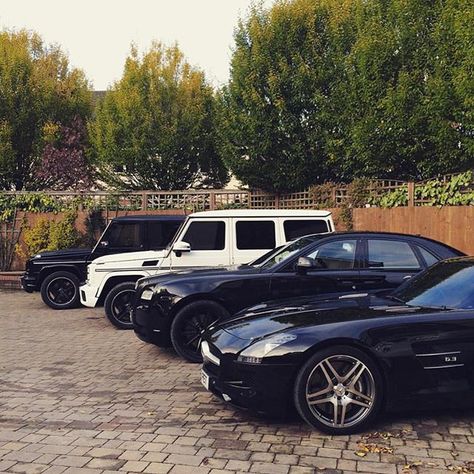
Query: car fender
{"points": [[49, 269]]}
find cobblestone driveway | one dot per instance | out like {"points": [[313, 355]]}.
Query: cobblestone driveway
{"points": [[76, 395]]}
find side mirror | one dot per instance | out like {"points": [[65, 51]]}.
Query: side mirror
{"points": [[304, 264], [180, 247], [104, 243]]}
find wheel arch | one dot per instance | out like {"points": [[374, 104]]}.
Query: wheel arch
{"points": [[114, 281], [192, 299], [49, 270]]}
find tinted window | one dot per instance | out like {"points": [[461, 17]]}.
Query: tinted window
{"points": [[429, 258], [206, 235], [124, 235], [160, 233], [391, 254], [339, 254], [255, 235], [288, 250], [446, 284], [298, 228]]}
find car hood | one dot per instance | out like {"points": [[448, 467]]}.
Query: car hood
{"points": [[264, 320], [131, 258], [206, 273], [66, 254]]}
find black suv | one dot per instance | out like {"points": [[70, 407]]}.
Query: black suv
{"points": [[176, 307], [58, 274]]}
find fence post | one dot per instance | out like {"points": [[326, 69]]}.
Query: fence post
{"points": [[277, 201], [334, 195], [144, 201], [411, 194], [212, 200]]}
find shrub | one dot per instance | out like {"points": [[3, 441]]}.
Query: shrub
{"points": [[50, 235]]}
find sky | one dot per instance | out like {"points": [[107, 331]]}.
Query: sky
{"points": [[96, 34]]}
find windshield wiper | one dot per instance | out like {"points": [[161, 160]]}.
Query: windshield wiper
{"points": [[395, 298]]}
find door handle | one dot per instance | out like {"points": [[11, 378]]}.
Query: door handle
{"points": [[406, 277]]}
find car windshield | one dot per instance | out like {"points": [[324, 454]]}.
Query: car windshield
{"points": [[258, 261], [289, 250], [445, 285]]}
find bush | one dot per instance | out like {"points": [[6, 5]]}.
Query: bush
{"points": [[50, 235]]}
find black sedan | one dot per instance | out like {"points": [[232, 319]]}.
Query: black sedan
{"points": [[176, 307], [341, 360]]}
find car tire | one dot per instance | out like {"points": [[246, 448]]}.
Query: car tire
{"points": [[190, 322], [118, 304], [323, 397], [60, 290]]}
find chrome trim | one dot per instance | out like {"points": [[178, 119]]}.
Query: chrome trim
{"points": [[438, 354], [355, 295], [125, 269], [206, 354], [444, 366], [164, 268]]}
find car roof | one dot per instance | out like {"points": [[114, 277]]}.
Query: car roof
{"points": [[414, 237], [262, 213], [150, 217]]}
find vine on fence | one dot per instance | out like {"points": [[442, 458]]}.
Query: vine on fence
{"points": [[455, 192]]}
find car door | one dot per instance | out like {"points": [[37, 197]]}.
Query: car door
{"points": [[338, 270], [209, 244], [388, 263]]}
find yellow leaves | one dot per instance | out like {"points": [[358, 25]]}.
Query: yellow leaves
{"points": [[465, 468], [385, 435], [365, 449]]}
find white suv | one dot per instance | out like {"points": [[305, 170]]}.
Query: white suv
{"points": [[205, 239]]}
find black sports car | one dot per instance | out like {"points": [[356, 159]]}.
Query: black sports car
{"points": [[341, 360], [176, 307]]}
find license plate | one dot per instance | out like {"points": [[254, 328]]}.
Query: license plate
{"points": [[205, 379]]}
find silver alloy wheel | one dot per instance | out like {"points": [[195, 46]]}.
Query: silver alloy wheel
{"points": [[59, 293], [340, 391]]}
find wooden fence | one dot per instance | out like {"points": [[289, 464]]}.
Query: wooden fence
{"points": [[329, 195], [453, 225]]}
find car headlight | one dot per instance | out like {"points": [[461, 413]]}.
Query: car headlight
{"points": [[257, 351], [147, 294]]}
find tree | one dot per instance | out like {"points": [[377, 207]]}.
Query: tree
{"points": [[276, 110], [406, 116], [157, 125], [63, 162], [37, 86], [336, 89]]}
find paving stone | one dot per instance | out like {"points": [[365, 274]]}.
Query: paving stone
{"points": [[101, 463], [31, 468], [89, 399], [134, 466]]}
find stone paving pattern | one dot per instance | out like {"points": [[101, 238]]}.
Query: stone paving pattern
{"points": [[78, 396]]}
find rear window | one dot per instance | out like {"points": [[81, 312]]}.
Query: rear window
{"points": [[258, 235], [206, 235], [299, 227], [391, 254], [160, 233], [429, 258]]}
